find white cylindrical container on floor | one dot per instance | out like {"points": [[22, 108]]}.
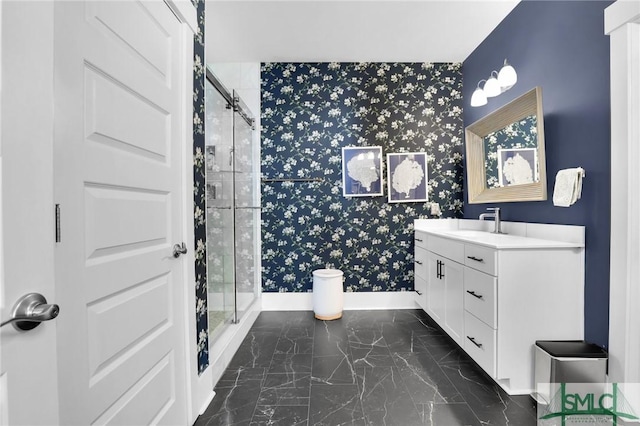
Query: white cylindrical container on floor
{"points": [[328, 294]]}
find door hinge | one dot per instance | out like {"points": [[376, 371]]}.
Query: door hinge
{"points": [[58, 238]]}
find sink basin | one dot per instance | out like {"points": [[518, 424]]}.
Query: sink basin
{"points": [[468, 233]]}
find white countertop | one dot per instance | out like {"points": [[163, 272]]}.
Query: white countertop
{"points": [[518, 236]]}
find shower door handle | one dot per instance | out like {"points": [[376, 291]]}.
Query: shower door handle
{"points": [[179, 249]]}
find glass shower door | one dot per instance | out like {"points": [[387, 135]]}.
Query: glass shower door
{"points": [[220, 210], [247, 206]]}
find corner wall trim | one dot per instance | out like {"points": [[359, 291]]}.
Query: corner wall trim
{"points": [[352, 301]]}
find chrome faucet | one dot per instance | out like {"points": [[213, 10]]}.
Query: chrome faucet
{"points": [[496, 219]]}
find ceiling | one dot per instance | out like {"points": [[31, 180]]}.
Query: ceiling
{"points": [[349, 31]]}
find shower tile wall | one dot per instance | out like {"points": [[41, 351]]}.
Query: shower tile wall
{"points": [[309, 112]]}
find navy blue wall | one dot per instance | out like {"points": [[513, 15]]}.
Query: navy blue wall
{"points": [[561, 47]]}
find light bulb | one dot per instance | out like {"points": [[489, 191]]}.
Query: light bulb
{"points": [[478, 98], [492, 87], [507, 76]]}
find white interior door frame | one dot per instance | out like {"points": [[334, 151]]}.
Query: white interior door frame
{"points": [[622, 24], [28, 367]]}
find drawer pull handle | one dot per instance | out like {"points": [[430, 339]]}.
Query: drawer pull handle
{"points": [[477, 259], [474, 294], [419, 294], [418, 262], [418, 239], [439, 273], [473, 340]]}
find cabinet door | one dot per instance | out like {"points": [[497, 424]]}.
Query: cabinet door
{"points": [[454, 300], [435, 289]]}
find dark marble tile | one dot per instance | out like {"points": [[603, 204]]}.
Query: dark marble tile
{"points": [[240, 375], [366, 344], [366, 320], [367, 358], [448, 414], [233, 405], [365, 336], [444, 352], [281, 416], [425, 380], [333, 405], [256, 350], [333, 370], [285, 389], [384, 397], [488, 401], [417, 321], [296, 330], [370, 367], [272, 320], [291, 363], [403, 340], [330, 338], [294, 345]]}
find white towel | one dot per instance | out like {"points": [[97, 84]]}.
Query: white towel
{"points": [[568, 187]]}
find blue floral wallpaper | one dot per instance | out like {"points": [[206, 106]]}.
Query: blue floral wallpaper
{"points": [[202, 328], [310, 111]]}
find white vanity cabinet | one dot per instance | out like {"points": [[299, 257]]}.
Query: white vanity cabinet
{"points": [[495, 295]]}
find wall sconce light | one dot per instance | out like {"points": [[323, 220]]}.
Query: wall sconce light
{"points": [[498, 82], [478, 98]]}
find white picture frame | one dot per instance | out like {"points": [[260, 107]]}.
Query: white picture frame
{"points": [[407, 177], [362, 171]]}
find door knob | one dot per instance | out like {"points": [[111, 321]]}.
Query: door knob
{"points": [[30, 310], [179, 249]]}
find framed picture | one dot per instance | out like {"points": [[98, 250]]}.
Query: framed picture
{"points": [[517, 166], [362, 171], [407, 177]]}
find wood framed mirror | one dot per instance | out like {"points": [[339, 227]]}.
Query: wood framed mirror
{"points": [[505, 153]]}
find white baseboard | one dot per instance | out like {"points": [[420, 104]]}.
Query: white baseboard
{"points": [[352, 301], [207, 402]]}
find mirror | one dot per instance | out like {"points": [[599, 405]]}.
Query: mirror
{"points": [[505, 153]]}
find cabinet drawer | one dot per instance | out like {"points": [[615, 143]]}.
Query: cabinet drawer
{"points": [[421, 263], [480, 296], [481, 258], [420, 296], [480, 343], [420, 239], [450, 249]]}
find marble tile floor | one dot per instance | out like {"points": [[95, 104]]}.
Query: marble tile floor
{"points": [[393, 367]]}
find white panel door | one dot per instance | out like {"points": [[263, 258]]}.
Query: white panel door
{"points": [[118, 180]]}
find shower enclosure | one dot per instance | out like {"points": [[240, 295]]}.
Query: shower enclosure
{"points": [[232, 201]]}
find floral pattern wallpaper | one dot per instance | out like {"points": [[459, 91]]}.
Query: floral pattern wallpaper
{"points": [[199, 195], [310, 111], [518, 135]]}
